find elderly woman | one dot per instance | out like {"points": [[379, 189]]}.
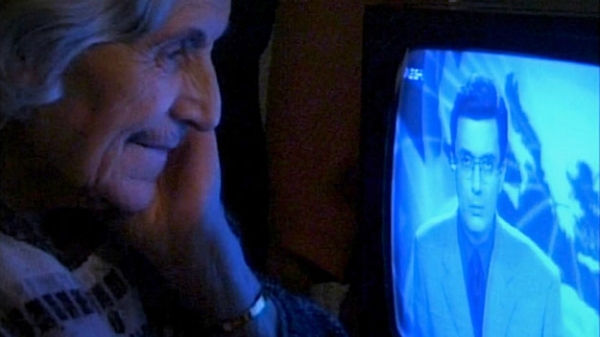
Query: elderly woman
{"points": [[110, 214]]}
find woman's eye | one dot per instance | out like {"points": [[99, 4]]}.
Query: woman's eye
{"points": [[185, 47], [178, 49]]}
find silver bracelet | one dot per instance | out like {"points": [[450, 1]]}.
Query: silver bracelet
{"points": [[259, 304]]}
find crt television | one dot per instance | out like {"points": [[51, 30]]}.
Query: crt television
{"points": [[545, 71]]}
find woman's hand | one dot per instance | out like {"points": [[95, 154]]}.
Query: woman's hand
{"points": [[184, 233], [186, 214]]}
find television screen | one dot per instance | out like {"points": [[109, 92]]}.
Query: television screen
{"points": [[479, 170], [494, 197]]}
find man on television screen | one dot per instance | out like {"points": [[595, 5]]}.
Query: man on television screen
{"points": [[474, 274]]}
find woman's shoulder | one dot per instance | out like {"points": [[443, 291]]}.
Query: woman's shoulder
{"points": [[39, 295]]}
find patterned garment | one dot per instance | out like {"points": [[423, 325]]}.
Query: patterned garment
{"points": [[82, 284]]}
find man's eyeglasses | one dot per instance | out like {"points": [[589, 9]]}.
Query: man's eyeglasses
{"points": [[466, 163]]}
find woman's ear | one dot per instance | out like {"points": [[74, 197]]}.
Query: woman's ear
{"points": [[28, 89], [40, 90]]}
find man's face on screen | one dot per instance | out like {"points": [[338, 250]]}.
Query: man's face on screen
{"points": [[479, 173]]}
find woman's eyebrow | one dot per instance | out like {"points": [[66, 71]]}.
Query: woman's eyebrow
{"points": [[190, 33], [160, 39]]}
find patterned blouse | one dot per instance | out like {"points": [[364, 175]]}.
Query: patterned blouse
{"points": [[65, 276]]}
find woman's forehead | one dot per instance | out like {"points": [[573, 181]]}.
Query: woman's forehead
{"points": [[221, 5], [209, 16]]}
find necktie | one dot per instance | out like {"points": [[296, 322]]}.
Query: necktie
{"points": [[476, 292]]}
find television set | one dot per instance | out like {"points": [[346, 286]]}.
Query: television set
{"points": [[424, 190]]}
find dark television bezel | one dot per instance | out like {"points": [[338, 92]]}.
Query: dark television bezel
{"points": [[390, 30]]}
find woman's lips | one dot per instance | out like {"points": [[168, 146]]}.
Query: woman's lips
{"points": [[157, 140], [154, 145]]}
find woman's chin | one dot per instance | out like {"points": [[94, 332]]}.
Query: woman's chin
{"points": [[132, 196]]}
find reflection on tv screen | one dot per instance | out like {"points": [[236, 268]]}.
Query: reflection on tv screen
{"points": [[495, 209]]}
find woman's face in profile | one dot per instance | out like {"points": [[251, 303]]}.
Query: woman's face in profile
{"points": [[126, 106]]}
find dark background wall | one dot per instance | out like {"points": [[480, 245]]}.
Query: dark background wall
{"points": [[312, 137]]}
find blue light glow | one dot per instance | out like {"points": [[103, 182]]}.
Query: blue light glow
{"points": [[550, 192]]}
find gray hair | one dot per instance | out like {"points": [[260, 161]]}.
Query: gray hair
{"points": [[39, 39]]}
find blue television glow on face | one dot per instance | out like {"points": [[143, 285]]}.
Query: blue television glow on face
{"points": [[496, 156]]}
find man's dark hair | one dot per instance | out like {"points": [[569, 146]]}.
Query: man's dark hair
{"points": [[479, 100]]}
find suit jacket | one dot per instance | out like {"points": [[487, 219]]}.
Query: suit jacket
{"points": [[523, 285]]}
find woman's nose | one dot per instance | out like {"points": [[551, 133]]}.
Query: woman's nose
{"points": [[198, 103]]}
